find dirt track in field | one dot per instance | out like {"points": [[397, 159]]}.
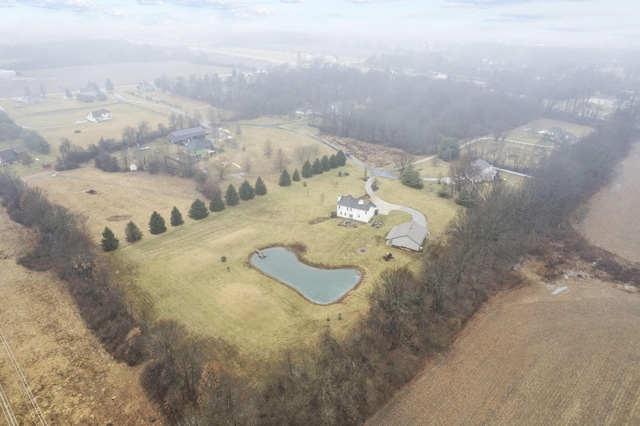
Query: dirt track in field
{"points": [[612, 220], [560, 354], [75, 382]]}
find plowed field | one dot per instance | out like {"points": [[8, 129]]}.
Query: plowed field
{"points": [[74, 381], [612, 220], [563, 354]]}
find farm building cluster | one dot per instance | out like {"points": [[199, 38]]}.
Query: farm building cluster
{"points": [[407, 236], [11, 155]]}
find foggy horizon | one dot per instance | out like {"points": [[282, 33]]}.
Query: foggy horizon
{"points": [[391, 23]]}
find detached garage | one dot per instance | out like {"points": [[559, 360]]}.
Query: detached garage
{"points": [[409, 236]]}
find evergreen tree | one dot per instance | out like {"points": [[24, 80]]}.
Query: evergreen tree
{"points": [[333, 161], [317, 167], [341, 158], [231, 197], [326, 165], [296, 176], [285, 179], [261, 188], [108, 85], [198, 210], [132, 232], [109, 241], [176, 217], [307, 171], [156, 223], [217, 203], [246, 191], [411, 178]]}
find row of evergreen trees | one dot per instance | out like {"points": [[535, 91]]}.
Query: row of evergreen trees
{"points": [[197, 211], [319, 166]]}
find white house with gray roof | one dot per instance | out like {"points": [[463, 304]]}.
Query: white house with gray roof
{"points": [[409, 235], [99, 115], [355, 208]]}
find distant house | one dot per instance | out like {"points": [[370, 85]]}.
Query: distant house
{"points": [[28, 100], [99, 115], [199, 147], [10, 156], [558, 135], [355, 208], [481, 171], [182, 137], [409, 236], [145, 87], [6, 74], [88, 91]]}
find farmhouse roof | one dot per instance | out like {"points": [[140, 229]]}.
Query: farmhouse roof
{"points": [[19, 150], [412, 230], [195, 145], [480, 171], [8, 156], [355, 203], [99, 112], [480, 164], [187, 133]]}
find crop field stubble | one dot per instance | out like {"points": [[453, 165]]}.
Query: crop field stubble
{"points": [[73, 379], [611, 218], [547, 354]]}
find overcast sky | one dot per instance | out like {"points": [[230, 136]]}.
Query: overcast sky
{"points": [[551, 22]]}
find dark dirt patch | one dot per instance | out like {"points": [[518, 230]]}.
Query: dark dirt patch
{"points": [[119, 218], [318, 220]]}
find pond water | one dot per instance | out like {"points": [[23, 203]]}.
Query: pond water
{"points": [[323, 286]]}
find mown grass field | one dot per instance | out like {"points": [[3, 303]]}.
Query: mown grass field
{"points": [[529, 132], [179, 275]]}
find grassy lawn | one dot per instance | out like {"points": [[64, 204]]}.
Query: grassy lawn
{"points": [[180, 275], [529, 132], [439, 211], [508, 155], [60, 118]]}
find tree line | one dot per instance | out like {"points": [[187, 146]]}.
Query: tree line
{"points": [[197, 211], [411, 112]]}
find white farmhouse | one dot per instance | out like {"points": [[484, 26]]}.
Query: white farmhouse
{"points": [[99, 115], [355, 208]]}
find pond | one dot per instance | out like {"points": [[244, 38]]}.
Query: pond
{"points": [[322, 286]]}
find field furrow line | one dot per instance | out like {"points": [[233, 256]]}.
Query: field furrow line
{"points": [[6, 408], [23, 380]]}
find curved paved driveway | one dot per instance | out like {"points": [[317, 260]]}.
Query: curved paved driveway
{"points": [[385, 207]]}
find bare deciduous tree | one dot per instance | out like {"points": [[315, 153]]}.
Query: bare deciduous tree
{"points": [[268, 148], [281, 160], [402, 160]]}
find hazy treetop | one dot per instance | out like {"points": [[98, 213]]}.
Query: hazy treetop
{"points": [[396, 22]]}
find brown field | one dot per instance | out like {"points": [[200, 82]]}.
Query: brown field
{"points": [[611, 221], [547, 354], [73, 379]]}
